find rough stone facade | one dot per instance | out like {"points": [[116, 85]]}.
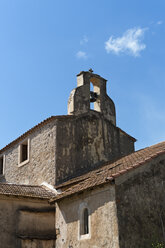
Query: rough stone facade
{"points": [[141, 205], [93, 166], [103, 229], [85, 142], [129, 212], [26, 223], [68, 146], [41, 164], [65, 148]]}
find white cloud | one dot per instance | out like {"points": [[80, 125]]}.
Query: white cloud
{"points": [[84, 40], [81, 55], [159, 22], [129, 43]]}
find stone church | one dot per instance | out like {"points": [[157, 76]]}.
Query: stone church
{"points": [[76, 181]]}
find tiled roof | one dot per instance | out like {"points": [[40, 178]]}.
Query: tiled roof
{"points": [[110, 171], [25, 191], [58, 117]]}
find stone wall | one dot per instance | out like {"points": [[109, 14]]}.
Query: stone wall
{"points": [[41, 164], [66, 147], [26, 223], [140, 200], [103, 229], [86, 142]]}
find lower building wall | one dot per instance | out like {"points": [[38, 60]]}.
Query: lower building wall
{"points": [[103, 229], [140, 199], [26, 224], [33, 243]]}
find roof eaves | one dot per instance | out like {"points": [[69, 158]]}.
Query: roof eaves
{"points": [[60, 196], [26, 196], [149, 152], [44, 122], [25, 191], [39, 125]]}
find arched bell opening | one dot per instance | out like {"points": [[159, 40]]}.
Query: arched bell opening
{"points": [[95, 94], [91, 94]]}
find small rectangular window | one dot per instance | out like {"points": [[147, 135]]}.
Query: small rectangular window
{"points": [[1, 165], [84, 223], [23, 152]]}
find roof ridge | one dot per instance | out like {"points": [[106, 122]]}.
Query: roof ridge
{"points": [[24, 185], [53, 117]]}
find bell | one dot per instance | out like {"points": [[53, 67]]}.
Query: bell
{"points": [[93, 96]]}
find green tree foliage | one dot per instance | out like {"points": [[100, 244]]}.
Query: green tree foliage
{"points": [[158, 245]]}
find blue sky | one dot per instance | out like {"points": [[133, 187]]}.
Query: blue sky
{"points": [[44, 44]]}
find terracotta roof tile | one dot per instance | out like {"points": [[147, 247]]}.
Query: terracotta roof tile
{"points": [[110, 171], [25, 191]]}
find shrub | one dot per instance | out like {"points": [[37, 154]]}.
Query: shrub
{"points": [[158, 245]]}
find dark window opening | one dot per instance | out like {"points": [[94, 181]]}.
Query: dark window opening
{"points": [[24, 152], [91, 102], [1, 165], [86, 222]]}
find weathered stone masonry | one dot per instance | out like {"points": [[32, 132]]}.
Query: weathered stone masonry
{"points": [[105, 195], [103, 219], [141, 205], [85, 142], [26, 223], [41, 165], [67, 146]]}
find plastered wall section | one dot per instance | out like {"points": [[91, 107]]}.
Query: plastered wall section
{"points": [[41, 164], [87, 141], [141, 205], [26, 223], [103, 228]]}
